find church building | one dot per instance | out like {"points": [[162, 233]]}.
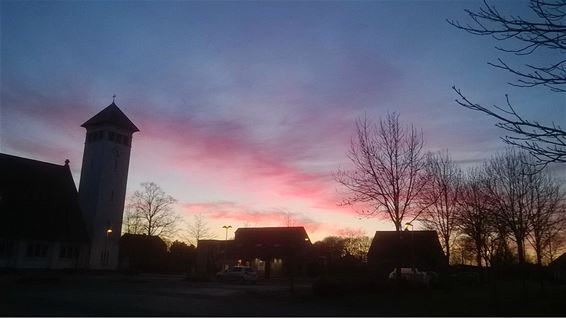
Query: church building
{"points": [[47, 223]]}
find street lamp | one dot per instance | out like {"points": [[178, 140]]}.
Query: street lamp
{"points": [[227, 227]]}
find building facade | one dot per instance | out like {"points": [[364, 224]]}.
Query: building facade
{"points": [[47, 223], [271, 251]]}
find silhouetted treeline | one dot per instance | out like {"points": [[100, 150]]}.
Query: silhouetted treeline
{"points": [[146, 253], [495, 211]]}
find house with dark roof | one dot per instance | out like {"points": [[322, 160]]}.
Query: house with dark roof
{"points": [[272, 251], [413, 249], [558, 268], [47, 223], [41, 223]]}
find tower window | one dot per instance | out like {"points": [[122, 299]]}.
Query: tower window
{"points": [[112, 195], [111, 136]]}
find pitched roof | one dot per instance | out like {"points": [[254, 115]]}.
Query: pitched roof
{"points": [[39, 201], [421, 248], [111, 115], [560, 262], [271, 235]]}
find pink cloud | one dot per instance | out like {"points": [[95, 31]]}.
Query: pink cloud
{"points": [[230, 149], [223, 210]]}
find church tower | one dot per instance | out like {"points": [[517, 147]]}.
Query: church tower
{"points": [[104, 175]]}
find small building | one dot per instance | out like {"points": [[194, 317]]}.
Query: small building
{"points": [[414, 249], [211, 255], [271, 251], [141, 252], [41, 224]]}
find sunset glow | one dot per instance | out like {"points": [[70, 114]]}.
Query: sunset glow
{"points": [[246, 109]]}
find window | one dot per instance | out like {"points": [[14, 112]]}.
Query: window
{"points": [[111, 136], [69, 251], [37, 250]]}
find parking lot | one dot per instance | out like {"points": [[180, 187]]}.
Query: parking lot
{"points": [[114, 294], [149, 295]]}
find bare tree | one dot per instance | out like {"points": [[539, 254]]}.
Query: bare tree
{"points": [[199, 230], [545, 31], [151, 212], [132, 223], [474, 218], [509, 189], [356, 244], [388, 169], [547, 214], [440, 201], [289, 219], [464, 248]]}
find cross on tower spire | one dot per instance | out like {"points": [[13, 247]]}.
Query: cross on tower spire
{"points": [[113, 98]]}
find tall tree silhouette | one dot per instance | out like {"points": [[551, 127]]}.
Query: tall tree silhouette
{"points": [[474, 218], [151, 212], [441, 198], [545, 31], [547, 213], [388, 169], [510, 192]]}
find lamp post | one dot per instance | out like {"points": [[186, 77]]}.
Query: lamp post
{"points": [[106, 246], [407, 225], [227, 227]]}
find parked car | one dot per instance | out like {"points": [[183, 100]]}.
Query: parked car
{"points": [[414, 275], [238, 274]]}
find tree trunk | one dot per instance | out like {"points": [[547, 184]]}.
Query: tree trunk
{"points": [[446, 244], [478, 254], [521, 250]]}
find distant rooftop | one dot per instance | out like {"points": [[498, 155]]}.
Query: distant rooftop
{"points": [[111, 115], [271, 235]]}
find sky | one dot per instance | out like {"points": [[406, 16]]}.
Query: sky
{"points": [[245, 108]]}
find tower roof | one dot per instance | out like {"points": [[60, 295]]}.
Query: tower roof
{"points": [[111, 115]]}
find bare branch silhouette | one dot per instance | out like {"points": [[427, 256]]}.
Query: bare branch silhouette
{"points": [[546, 142], [150, 212], [388, 169]]}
